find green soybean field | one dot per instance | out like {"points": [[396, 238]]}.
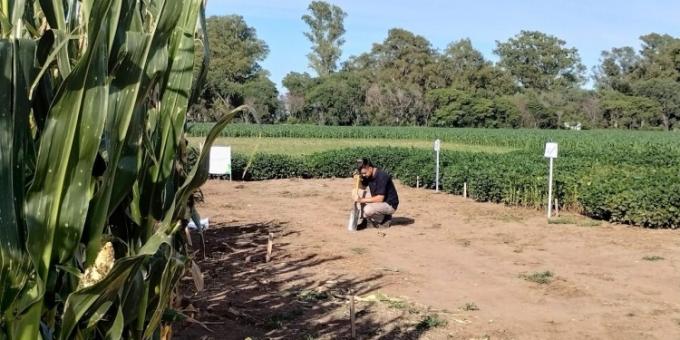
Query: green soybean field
{"points": [[614, 175]]}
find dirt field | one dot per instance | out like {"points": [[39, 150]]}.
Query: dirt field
{"points": [[450, 268]]}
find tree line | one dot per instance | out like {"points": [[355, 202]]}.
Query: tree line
{"points": [[537, 82]]}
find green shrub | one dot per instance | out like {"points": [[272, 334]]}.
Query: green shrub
{"points": [[630, 194], [265, 166]]}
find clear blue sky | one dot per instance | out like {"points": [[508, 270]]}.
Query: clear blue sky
{"points": [[591, 26]]}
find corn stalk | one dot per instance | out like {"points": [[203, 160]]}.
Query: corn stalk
{"points": [[92, 150]]}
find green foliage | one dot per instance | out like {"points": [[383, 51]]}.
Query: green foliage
{"points": [[614, 142], [403, 80], [470, 306], [652, 73], [607, 176], [457, 108], [235, 52], [235, 76], [646, 196], [335, 100], [464, 68], [622, 111], [431, 321], [326, 28], [93, 155], [538, 277], [261, 167], [309, 295], [540, 61]]}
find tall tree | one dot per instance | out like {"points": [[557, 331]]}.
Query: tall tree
{"points": [[666, 92], [406, 57], [540, 61], [295, 105], [326, 28], [235, 74], [660, 57], [615, 69], [460, 56], [465, 68], [235, 52]]}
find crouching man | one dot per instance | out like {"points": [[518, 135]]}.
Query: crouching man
{"points": [[377, 195]]}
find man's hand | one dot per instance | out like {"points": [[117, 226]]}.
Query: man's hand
{"points": [[373, 199]]}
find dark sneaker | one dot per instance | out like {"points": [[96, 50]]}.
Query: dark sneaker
{"points": [[386, 222], [363, 225]]}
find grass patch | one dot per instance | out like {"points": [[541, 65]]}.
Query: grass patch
{"points": [[469, 306], [312, 296], [579, 221], [464, 242], [394, 303], [306, 146], [653, 258], [509, 218], [278, 321], [359, 250], [397, 304], [431, 321], [538, 277]]}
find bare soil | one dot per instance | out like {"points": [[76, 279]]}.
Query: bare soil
{"points": [[449, 268]]}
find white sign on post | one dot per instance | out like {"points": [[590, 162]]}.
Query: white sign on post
{"points": [[550, 150], [551, 154], [220, 161], [437, 148]]}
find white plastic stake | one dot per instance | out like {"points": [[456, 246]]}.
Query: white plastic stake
{"points": [[437, 148], [550, 184], [551, 154], [465, 190]]}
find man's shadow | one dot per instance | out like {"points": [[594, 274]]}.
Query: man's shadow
{"points": [[396, 221]]}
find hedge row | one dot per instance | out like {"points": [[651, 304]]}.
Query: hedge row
{"points": [[640, 195]]}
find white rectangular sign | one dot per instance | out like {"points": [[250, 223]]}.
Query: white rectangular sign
{"points": [[220, 160], [550, 150], [437, 145]]}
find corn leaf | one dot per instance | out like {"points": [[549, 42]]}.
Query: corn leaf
{"points": [[15, 74], [57, 202], [91, 298]]}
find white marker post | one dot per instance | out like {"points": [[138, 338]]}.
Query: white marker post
{"points": [[551, 154], [437, 148]]}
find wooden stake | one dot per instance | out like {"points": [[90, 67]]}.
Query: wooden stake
{"points": [[557, 208], [270, 246], [352, 316], [464, 189], [418, 182]]}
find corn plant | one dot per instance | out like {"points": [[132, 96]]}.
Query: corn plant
{"points": [[93, 168]]}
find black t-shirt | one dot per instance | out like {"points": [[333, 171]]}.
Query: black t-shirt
{"points": [[381, 184]]}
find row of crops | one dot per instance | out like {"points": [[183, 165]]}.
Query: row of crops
{"points": [[620, 176], [647, 196], [570, 141]]}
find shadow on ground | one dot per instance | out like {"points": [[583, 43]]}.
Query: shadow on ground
{"points": [[399, 221], [396, 221], [245, 296]]}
